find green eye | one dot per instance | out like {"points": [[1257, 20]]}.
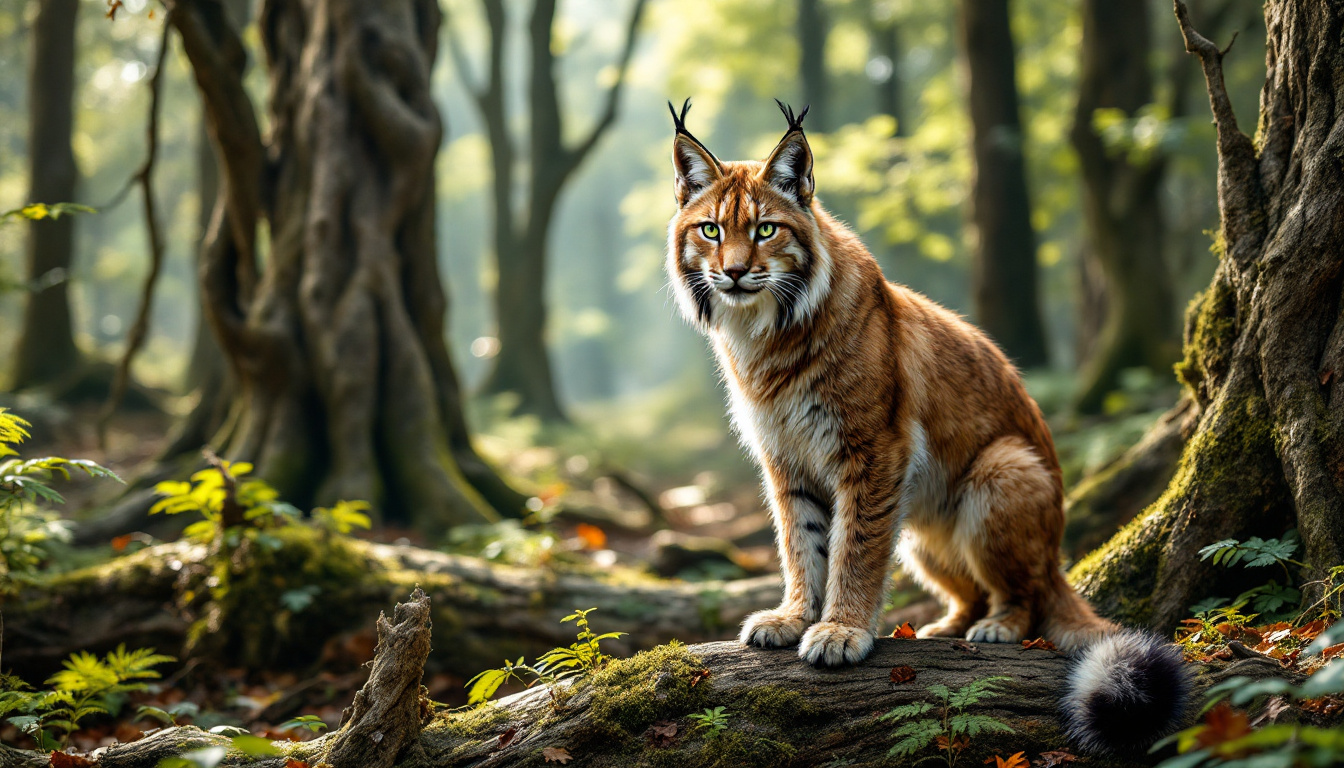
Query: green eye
{"points": [[710, 230], [765, 230]]}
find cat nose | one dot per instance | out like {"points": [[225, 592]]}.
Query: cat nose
{"points": [[736, 271]]}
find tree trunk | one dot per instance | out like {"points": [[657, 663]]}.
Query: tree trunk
{"points": [[46, 351], [1264, 344], [343, 387], [1122, 204], [1004, 272], [886, 39], [483, 611], [523, 364], [812, 32]]}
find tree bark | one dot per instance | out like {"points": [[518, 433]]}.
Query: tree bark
{"points": [[45, 351], [813, 28], [523, 365], [1122, 204], [1263, 345], [1004, 272], [483, 611], [343, 387], [885, 34]]}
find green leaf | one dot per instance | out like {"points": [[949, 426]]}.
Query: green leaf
{"points": [[914, 736], [484, 685], [907, 711], [254, 746], [208, 757], [1329, 680], [229, 730], [974, 725], [310, 722]]}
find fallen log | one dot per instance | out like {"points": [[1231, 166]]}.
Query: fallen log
{"points": [[776, 710], [482, 612]]}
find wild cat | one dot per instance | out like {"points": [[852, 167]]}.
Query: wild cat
{"points": [[882, 421]]}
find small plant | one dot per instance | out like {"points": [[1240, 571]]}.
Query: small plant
{"points": [[86, 686], [27, 528], [1226, 739], [1256, 552], [581, 658], [715, 721], [226, 500], [952, 730], [344, 517]]}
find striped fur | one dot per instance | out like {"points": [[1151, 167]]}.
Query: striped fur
{"points": [[876, 416]]}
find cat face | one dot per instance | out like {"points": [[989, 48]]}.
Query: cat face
{"points": [[743, 240]]}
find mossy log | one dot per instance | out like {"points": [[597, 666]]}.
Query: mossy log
{"points": [[483, 611], [637, 711]]}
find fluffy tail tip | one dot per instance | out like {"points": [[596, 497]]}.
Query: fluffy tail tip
{"points": [[1125, 692]]}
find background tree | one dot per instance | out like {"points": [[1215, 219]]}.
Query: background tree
{"points": [[1122, 200], [1004, 272], [522, 365], [813, 27], [345, 389], [1264, 344], [46, 351]]}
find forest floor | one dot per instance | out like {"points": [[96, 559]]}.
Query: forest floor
{"points": [[691, 519]]}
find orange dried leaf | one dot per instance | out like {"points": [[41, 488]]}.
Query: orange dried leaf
{"points": [[696, 677], [556, 755], [1018, 760], [902, 674], [1054, 758], [292, 763], [592, 536], [1039, 643], [1332, 651], [120, 543], [1223, 724], [508, 737], [904, 632]]}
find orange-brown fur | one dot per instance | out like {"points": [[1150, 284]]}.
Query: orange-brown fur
{"points": [[873, 412]]}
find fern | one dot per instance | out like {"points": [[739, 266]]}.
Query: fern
{"points": [[581, 658], [954, 728]]}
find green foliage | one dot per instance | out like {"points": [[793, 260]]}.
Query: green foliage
{"points": [[344, 517], [713, 721], [308, 722], [582, 658], [211, 489], [27, 528], [1255, 552], [953, 729], [1276, 744], [86, 686]]}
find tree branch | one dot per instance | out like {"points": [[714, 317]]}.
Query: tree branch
{"points": [[581, 150], [1240, 197], [135, 337]]}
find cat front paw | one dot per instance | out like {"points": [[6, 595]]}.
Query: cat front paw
{"points": [[772, 629], [829, 644]]}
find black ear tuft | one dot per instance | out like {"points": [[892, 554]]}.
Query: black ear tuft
{"points": [[696, 167], [795, 122]]}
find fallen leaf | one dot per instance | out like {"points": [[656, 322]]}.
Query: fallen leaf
{"points": [[698, 676], [120, 543], [1310, 631], [1332, 651], [556, 755], [1325, 376], [1223, 724], [1326, 706], [965, 647], [902, 674], [662, 733], [1039, 643], [904, 632], [1054, 758], [592, 536], [67, 760], [508, 737], [957, 744], [1017, 760], [292, 763]]}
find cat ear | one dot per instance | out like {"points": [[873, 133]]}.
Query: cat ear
{"points": [[696, 167], [789, 168]]}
